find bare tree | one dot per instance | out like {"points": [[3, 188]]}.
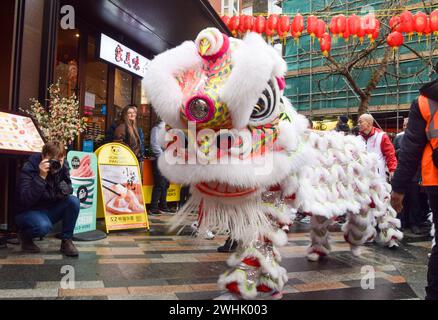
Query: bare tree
{"points": [[355, 58]]}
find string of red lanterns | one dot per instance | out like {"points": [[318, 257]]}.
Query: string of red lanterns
{"points": [[340, 26]]}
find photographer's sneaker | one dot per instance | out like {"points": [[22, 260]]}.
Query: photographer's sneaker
{"points": [[68, 248], [27, 244]]}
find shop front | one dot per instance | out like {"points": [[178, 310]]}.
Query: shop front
{"points": [[102, 60]]}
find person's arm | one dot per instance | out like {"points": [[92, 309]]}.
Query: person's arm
{"points": [[155, 145], [389, 152], [411, 152], [30, 189]]}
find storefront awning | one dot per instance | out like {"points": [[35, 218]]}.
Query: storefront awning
{"points": [[149, 25]]}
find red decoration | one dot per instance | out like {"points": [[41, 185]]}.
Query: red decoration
{"points": [[297, 27], [407, 22], [283, 26], [342, 24], [326, 44], [234, 25], [346, 35], [395, 24], [361, 32], [312, 24], [226, 19], [259, 24], [354, 24], [273, 21], [248, 23], [395, 40], [420, 23], [320, 28], [333, 27], [434, 22]]}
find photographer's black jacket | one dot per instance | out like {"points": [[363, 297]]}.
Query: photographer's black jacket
{"points": [[414, 142], [35, 193]]}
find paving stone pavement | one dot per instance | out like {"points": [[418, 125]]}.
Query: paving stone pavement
{"points": [[156, 265]]}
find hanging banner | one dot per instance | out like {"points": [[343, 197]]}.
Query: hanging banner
{"points": [[83, 174], [121, 199]]}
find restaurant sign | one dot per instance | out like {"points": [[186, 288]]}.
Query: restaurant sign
{"points": [[123, 57]]}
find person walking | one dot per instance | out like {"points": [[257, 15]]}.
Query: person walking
{"points": [[420, 145]]}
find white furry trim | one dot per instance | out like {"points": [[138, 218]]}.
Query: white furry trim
{"points": [[161, 85], [247, 290]]}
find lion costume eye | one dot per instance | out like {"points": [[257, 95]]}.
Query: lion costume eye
{"points": [[267, 106]]}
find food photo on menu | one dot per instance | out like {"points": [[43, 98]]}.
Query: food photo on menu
{"points": [[121, 188], [19, 133]]}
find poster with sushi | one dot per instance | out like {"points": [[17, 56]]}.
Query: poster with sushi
{"points": [[83, 174], [121, 198]]}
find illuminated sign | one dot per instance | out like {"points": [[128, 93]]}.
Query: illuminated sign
{"points": [[123, 57]]}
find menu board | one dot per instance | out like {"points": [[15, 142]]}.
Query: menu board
{"points": [[19, 133]]}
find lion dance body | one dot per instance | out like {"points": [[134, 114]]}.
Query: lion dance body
{"points": [[250, 160]]}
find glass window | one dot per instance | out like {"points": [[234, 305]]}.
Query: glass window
{"points": [[66, 68], [95, 104], [122, 90]]}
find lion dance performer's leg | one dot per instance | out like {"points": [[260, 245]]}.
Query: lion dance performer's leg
{"points": [[359, 229], [320, 238], [255, 269]]}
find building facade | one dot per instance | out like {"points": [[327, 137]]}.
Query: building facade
{"points": [[314, 92]]}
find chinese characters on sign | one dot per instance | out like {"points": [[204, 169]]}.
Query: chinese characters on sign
{"points": [[122, 56]]}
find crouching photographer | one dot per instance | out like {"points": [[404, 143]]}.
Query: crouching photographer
{"points": [[44, 198]]}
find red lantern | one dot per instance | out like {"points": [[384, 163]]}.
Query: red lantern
{"points": [[375, 35], [346, 35], [342, 24], [234, 25], [326, 44], [428, 30], [420, 22], [312, 23], [320, 28], [333, 27], [371, 24], [395, 24], [395, 40], [283, 26], [268, 31], [434, 22], [407, 23], [226, 19], [242, 29], [354, 24], [259, 24], [273, 22], [249, 23], [361, 32], [297, 27]]}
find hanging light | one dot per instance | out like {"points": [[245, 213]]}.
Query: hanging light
{"points": [[259, 24], [283, 26], [420, 23], [325, 44], [407, 23], [395, 40], [312, 23], [297, 26], [234, 25]]}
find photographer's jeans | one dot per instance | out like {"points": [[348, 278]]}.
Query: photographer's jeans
{"points": [[38, 223]]}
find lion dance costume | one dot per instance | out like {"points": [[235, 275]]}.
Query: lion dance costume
{"points": [[250, 159]]}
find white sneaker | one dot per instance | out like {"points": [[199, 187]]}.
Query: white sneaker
{"points": [[209, 235]]}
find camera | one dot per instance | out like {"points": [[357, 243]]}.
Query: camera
{"points": [[55, 166]]}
